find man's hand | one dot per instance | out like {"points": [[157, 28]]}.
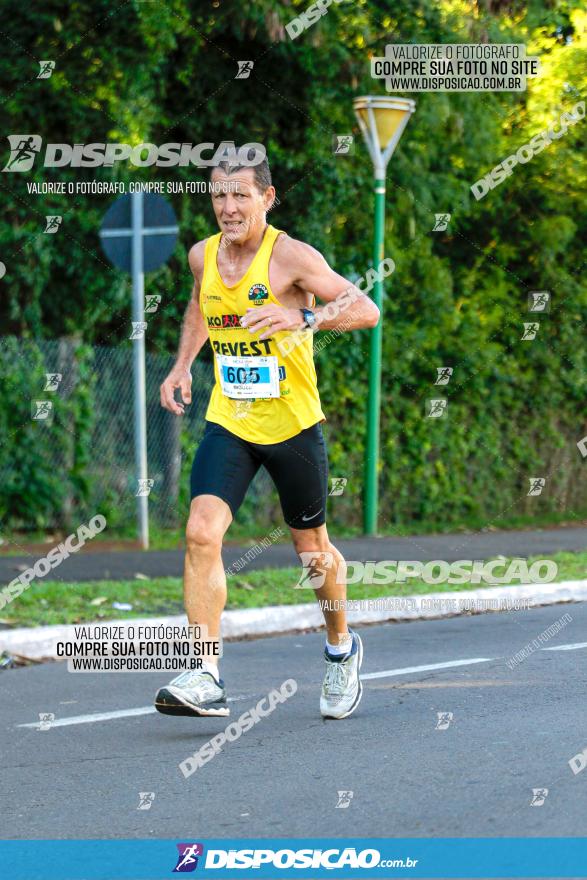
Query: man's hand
{"points": [[181, 378], [274, 317]]}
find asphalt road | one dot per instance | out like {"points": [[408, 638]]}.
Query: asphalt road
{"points": [[512, 731], [92, 565]]}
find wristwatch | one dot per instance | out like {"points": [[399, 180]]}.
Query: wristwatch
{"points": [[309, 318]]}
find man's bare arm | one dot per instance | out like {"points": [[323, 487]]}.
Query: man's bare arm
{"points": [[348, 308], [194, 334]]}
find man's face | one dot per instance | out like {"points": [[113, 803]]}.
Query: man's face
{"points": [[239, 206]]}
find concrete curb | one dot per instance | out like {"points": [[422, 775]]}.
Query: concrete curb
{"points": [[39, 643]]}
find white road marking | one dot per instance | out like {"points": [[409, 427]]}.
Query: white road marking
{"points": [[97, 716], [387, 673], [407, 670], [570, 647], [106, 716]]}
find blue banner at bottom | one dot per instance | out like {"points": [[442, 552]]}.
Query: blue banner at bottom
{"points": [[307, 859]]}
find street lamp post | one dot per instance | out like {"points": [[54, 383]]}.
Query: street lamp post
{"points": [[382, 120]]}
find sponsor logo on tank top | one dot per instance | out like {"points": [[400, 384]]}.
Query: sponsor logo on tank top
{"points": [[258, 293], [226, 322], [260, 348]]}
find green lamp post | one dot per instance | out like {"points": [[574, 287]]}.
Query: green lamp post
{"points": [[382, 120]]}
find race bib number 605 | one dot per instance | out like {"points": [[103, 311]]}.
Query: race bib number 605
{"points": [[242, 377]]}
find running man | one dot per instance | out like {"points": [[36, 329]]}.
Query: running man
{"points": [[251, 297]]}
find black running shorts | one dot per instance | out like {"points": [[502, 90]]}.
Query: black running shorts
{"points": [[224, 465]]}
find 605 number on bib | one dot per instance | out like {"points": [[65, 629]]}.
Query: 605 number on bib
{"points": [[242, 377]]}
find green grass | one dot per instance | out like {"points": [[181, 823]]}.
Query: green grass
{"points": [[51, 602]]}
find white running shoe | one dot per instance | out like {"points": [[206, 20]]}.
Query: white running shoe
{"points": [[193, 693], [342, 689]]}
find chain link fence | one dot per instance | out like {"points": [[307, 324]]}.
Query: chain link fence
{"points": [[67, 449]]}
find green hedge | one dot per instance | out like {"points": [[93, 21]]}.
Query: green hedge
{"points": [[457, 298]]}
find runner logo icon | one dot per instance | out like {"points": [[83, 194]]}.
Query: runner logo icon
{"points": [[188, 857], [23, 151]]}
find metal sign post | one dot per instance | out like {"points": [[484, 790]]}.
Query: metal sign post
{"points": [[138, 358], [138, 234]]}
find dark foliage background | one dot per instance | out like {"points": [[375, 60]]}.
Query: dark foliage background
{"points": [[158, 72]]}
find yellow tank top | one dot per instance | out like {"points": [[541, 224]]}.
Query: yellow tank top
{"points": [[258, 420]]}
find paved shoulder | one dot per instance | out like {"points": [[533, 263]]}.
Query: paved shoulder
{"points": [[122, 565]]}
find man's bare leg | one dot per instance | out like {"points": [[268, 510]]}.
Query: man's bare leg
{"points": [[341, 688], [332, 595], [204, 582], [193, 693]]}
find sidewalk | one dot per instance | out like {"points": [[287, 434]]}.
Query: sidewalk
{"points": [[125, 565], [40, 643]]}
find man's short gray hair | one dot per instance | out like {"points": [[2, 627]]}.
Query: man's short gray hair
{"points": [[261, 171]]}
